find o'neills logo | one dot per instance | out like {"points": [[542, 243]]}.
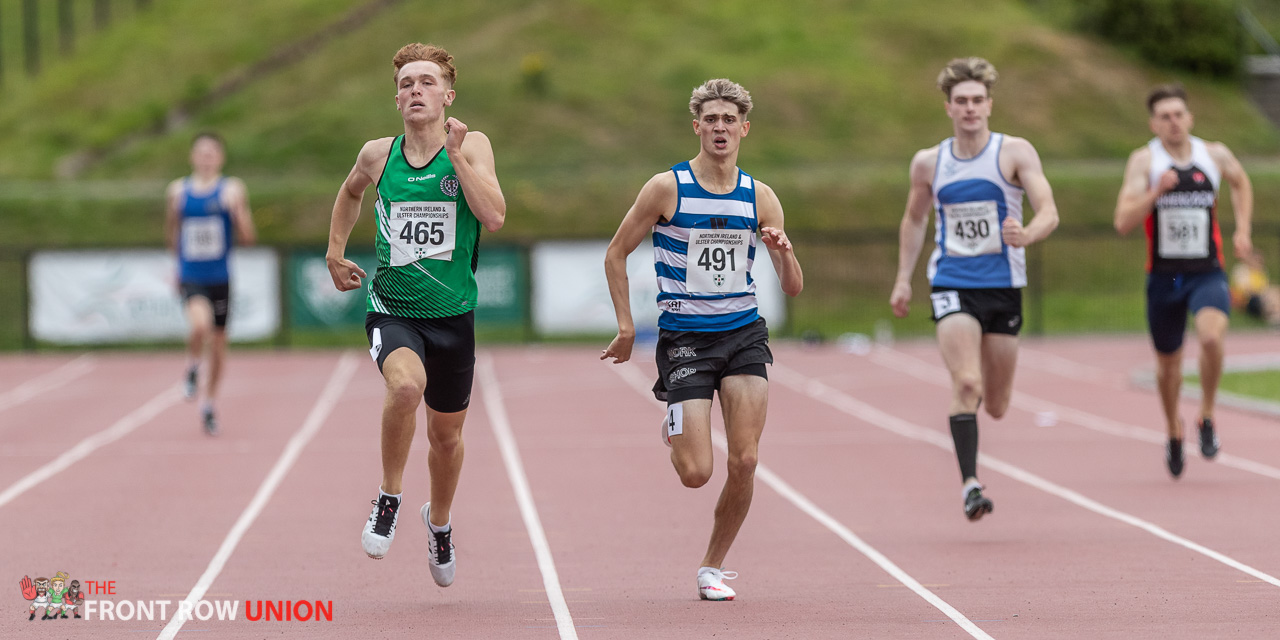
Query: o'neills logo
{"points": [[60, 598]]}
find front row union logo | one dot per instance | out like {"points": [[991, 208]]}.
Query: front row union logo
{"points": [[55, 598]]}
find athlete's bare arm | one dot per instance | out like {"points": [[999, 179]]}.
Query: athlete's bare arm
{"points": [[237, 201], [472, 157], [346, 210], [769, 216], [915, 223], [1241, 196], [1029, 174], [657, 200], [172, 196], [1136, 198]]}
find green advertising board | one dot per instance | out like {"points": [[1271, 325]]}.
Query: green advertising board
{"points": [[314, 303]]}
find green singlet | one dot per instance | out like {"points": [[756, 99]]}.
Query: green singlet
{"points": [[427, 240]]}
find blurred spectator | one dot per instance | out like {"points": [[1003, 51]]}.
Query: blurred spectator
{"points": [[1252, 292]]}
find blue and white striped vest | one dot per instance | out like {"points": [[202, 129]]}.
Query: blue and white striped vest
{"points": [[703, 257]]}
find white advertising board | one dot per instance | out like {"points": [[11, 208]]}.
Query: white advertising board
{"points": [[571, 296], [89, 297]]}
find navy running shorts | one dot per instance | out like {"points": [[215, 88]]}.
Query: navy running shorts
{"points": [[1170, 296], [692, 363], [446, 346], [997, 310], [219, 295]]}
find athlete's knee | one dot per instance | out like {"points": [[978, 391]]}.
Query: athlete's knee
{"points": [[1211, 341], [693, 474], [743, 463], [445, 440], [996, 408], [405, 392], [968, 386]]}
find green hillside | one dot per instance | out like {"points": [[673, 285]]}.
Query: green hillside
{"points": [[844, 95]]}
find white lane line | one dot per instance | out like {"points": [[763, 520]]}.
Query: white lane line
{"points": [[319, 413], [637, 380], [501, 425], [915, 367], [47, 382], [120, 429], [875, 417]]}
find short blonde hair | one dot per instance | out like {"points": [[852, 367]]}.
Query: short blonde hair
{"points": [[720, 89], [416, 52], [965, 69]]}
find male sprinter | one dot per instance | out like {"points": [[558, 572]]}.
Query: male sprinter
{"points": [[704, 214], [436, 187], [975, 182], [1171, 186], [202, 210]]}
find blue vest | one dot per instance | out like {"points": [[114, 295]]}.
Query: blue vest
{"points": [[204, 236], [703, 257]]}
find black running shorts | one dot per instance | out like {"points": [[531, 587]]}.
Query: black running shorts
{"points": [[997, 310], [219, 296], [692, 363], [446, 346]]}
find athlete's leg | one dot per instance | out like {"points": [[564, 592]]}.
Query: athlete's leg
{"points": [[744, 400], [999, 360], [1169, 382], [406, 379], [217, 355], [444, 460], [960, 340], [199, 312], [691, 452], [1211, 329]]}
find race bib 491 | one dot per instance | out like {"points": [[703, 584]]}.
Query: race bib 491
{"points": [[717, 261]]}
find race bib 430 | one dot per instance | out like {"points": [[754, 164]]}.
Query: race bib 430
{"points": [[422, 231], [972, 228]]}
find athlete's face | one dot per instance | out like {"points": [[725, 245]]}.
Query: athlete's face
{"points": [[969, 106], [422, 92], [720, 127], [207, 156], [1171, 120]]}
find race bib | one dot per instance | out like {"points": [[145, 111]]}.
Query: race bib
{"points": [[203, 238], [1184, 233], [944, 302], [717, 261], [422, 231], [973, 228]]}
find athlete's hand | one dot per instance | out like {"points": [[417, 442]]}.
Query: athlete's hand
{"points": [[346, 274], [1244, 245], [1168, 180], [457, 132], [1013, 233], [28, 589], [900, 299], [619, 349], [775, 239]]}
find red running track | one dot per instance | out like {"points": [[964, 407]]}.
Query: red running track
{"points": [[856, 529]]}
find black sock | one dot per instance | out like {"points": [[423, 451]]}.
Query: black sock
{"points": [[964, 431]]}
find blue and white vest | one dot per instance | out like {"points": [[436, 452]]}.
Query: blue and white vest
{"points": [[204, 236], [703, 257], [972, 200]]}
